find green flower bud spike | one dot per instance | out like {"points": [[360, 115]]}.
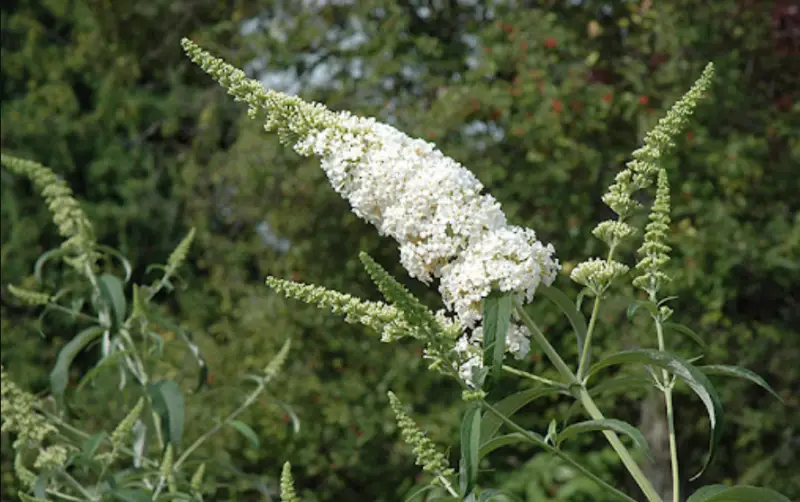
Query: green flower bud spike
{"points": [[427, 455], [287, 485], [654, 248]]}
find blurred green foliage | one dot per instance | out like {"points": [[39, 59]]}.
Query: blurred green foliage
{"points": [[543, 102]]}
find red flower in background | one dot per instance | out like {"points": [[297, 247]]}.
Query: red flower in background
{"points": [[643, 100], [551, 43], [557, 106], [608, 97]]}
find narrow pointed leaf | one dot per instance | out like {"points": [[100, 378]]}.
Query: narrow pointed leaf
{"points": [[246, 431], [693, 377], [493, 494], [496, 320], [510, 405], [739, 372], [126, 265], [505, 440], [112, 294], [607, 424], [645, 304], [131, 495], [38, 267], [419, 492], [685, 330], [470, 437], [60, 374], [563, 302], [722, 493], [103, 364], [92, 443], [168, 404]]}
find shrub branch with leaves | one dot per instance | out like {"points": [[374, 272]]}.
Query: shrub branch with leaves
{"points": [[487, 271], [141, 458]]}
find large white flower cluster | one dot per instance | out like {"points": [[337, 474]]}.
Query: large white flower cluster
{"points": [[434, 208], [409, 190]]}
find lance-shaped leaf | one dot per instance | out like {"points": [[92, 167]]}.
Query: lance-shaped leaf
{"points": [[739, 372], [510, 405], [693, 377], [607, 424], [60, 374], [685, 330], [722, 493], [168, 404], [111, 293], [563, 302], [246, 431], [470, 437], [496, 320], [645, 304], [501, 441]]}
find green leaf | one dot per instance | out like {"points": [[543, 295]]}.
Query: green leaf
{"points": [[500, 441], [496, 320], [292, 415], [510, 405], [685, 330], [739, 372], [131, 495], [646, 304], [470, 437], [552, 431], [43, 259], [722, 493], [92, 443], [563, 302], [419, 492], [104, 363], [60, 374], [246, 431], [607, 424], [488, 495], [112, 295], [168, 404], [40, 485], [126, 265], [695, 378]]}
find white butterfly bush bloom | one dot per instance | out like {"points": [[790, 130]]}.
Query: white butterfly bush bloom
{"points": [[429, 203]]}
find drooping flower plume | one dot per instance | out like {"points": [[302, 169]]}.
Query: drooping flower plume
{"points": [[430, 204]]}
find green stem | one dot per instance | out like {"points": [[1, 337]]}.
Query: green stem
{"points": [[447, 486], [247, 402], [544, 343], [61, 423], [584, 362], [587, 344], [673, 444], [589, 404], [64, 496], [537, 378], [639, 476], [77, 315], [557, 452], [77, 486]]}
